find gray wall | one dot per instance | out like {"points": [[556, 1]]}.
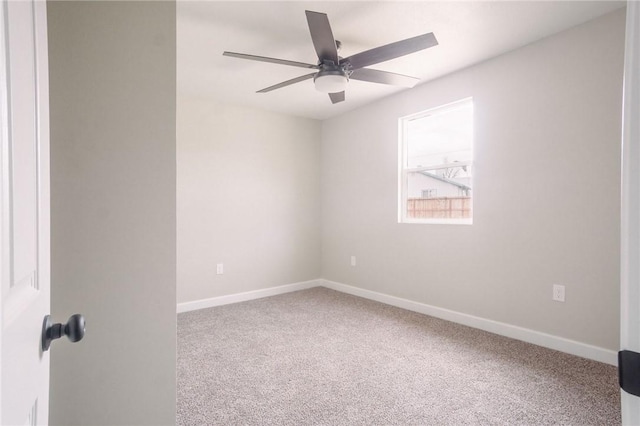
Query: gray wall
{"points": [[248, 197], [112, 77], [546, 191]]}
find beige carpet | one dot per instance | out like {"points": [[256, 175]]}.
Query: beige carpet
{"points": [[320, 357]]}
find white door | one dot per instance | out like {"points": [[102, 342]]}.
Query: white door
{"points": [[24, 267]]}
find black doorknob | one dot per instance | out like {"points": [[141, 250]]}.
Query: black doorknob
{"points": [[73, 329]]}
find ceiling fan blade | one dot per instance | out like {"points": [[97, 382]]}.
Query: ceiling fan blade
{"points": [[391, 51], [272, 60], [336, 97], [287, 83], [383, 77], [322, 36]]}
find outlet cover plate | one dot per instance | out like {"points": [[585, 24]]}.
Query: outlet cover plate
{"points": [[558, 293]]}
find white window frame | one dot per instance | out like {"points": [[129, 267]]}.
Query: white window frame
{"points": [[404, 171]]}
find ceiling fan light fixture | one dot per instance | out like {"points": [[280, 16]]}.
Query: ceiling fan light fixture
{"points": [[331, 81]]}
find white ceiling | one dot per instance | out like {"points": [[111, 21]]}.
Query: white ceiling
{"points": [[468, 32]]}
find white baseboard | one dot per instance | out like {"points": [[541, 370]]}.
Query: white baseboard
{"points": [[526, 335], [247, 295], [519, 333]]}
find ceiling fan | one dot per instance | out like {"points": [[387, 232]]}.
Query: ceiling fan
{"points": [[334, 72]]}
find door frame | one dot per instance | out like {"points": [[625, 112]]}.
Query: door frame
{"points": [[630, 205]]}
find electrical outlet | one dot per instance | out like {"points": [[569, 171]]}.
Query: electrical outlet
{"points": [[220, 269], [558, 293], [353, 261]]}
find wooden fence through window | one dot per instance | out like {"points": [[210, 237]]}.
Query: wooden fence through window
{"points": [[436, 208]]}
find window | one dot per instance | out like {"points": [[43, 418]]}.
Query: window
{"points": [[436, 160]]}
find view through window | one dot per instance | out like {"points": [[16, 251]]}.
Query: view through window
{"points": [[436, 159]]}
